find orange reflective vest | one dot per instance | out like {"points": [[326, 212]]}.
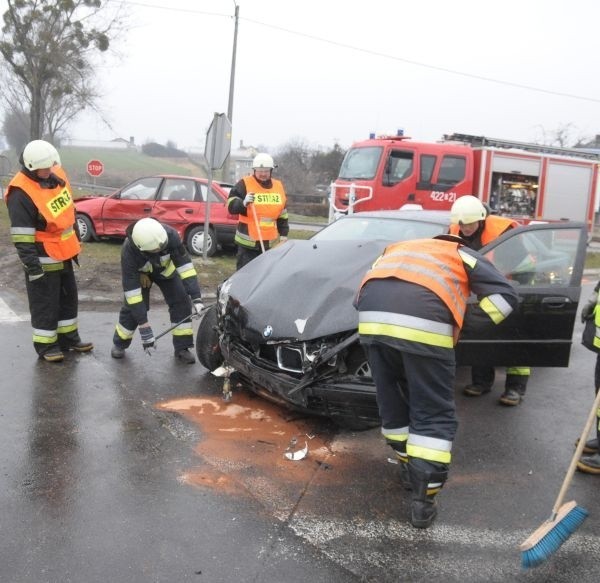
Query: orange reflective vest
{"points": [[269, 203], [431, 263], [56, 206], [494, 227]]}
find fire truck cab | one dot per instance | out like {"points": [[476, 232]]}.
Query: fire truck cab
{"points": [[524, 181]]}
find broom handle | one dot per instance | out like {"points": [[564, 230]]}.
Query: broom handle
{"points": [[262, 245], [578, 451]]}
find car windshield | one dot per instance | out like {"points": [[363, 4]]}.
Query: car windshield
{"points": [[369, 228], [361, 163]]}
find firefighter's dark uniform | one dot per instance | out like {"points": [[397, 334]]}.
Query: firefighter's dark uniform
{"points": [[590, 464], [270, 205], [173, 272], [482, 377], [43, 230], [411, 309]]}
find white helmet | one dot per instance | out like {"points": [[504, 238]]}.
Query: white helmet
{"points": [[263, 161], [149, 235], [467, 209], [40, 154]]}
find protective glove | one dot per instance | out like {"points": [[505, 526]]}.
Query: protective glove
{"points": [[147, 338], [145, 280], [248, 199], [587, 312], [34, 276], [198, 306], [282, 239]]}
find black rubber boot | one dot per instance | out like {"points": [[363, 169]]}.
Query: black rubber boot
{"points": [[482, 381], [117, 351], [510, 398], [591, 445], [55, 354], [401, 460], [427, 479], [185, 356], [589, 464]]}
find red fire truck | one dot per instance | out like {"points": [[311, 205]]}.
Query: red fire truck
{"points": [[524, 181]]}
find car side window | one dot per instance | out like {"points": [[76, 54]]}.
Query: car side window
{"points": [[537, 258], [178, 189], [142, 189], [214, 197]]}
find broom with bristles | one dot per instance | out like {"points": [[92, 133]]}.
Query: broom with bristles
{"points": [[565, 518]]}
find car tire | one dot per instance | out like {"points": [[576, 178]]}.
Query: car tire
{"points": [[207, 340], [195, 241], [357, 362], [86, 228]]}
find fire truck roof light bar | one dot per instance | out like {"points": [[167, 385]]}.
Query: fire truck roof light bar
{"points": [[482, 141]]}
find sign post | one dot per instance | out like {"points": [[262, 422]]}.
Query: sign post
{"points": [[95, 168], [216, 151]]}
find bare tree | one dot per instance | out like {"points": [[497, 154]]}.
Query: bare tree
{"points": [[562, 136], [302, 168], [16, 130], [49, 49]]}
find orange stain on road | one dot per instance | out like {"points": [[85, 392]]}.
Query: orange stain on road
{"points": [[243, 443]]}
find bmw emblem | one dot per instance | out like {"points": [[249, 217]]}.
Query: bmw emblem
{"points": [[268, 331]]}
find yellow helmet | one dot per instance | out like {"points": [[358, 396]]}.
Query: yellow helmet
{"points": [[467, 209]]}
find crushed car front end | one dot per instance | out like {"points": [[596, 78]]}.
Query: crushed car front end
{"points": [[295, 345]]}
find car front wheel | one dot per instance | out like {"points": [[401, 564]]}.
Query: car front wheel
{"points": [[195, 241], [86, 228], [207, 340]]}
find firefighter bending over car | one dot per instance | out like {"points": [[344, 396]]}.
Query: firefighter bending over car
{"points": [[590, 462], [260, 202], [412, 305], [154, 253], [43, 230], [470, 220]]}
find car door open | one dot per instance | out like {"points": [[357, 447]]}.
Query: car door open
{"points": [[545, 264]]}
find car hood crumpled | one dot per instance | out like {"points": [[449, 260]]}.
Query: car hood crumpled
{"points": [[303, 289]]}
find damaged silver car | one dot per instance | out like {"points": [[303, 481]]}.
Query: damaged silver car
{"points": [[286, 326]]}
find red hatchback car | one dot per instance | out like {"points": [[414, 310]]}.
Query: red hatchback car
{"points": [[178, 201]]}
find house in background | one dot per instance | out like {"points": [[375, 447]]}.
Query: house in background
{"points": [[240, 163]]}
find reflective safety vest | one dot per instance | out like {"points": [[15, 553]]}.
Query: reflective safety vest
{"points": [[494, 227], [431, 263], [269, 203], [56, 206]]}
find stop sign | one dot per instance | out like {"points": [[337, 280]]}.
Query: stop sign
{"points": [[95, 168]]}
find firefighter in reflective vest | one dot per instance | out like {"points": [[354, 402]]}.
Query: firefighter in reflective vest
{"points": [[412, 307], [42, 219], [469, 219], [260, 202], [153, 253], [590, 462]]}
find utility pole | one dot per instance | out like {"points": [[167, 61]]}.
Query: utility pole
{"points": [[231, 85]]}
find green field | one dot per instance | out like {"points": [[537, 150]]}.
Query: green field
{"points": [[120, 165]]}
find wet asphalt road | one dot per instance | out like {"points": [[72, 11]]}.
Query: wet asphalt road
{"points": [[94, 479]]}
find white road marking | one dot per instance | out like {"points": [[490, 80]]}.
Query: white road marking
{"points": [[459, 551], [7, 315]]}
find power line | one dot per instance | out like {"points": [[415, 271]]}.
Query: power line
{"points": [[425, 65], [376, 53]]}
